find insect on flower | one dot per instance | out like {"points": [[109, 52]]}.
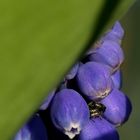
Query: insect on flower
{"points": [[96, 109]]}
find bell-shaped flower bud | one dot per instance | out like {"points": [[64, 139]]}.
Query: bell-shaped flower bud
{"points": [[34, 129], [47, 101], [118, 107], [71, 74], [109, 53], [69, 112], [115, 34], [98, 129], [117, 79], [94, 80]]}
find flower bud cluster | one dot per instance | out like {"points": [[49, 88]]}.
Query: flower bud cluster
{"points": [[89, 103]]}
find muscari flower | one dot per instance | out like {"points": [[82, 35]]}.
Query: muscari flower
{"points": [[47, 100], [117, 79], [115, 34], [34, 129], [98, 129], [72, 73], [94, 80], [118, 107], [69, 112], [109, 53]]}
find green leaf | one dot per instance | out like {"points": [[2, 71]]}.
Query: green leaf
{"points": [[39, 41]]}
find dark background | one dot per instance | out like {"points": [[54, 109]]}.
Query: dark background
{"points": [[131, 71]]}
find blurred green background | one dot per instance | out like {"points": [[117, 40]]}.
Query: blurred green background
{"points": [[131, 71]]}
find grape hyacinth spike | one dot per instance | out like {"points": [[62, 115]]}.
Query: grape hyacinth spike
{"points": [[87, 104]]}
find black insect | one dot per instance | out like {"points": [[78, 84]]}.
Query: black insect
{"points": [[96, 109]]}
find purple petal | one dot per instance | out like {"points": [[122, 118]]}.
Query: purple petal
{"points": [[94, 80], [69, 112], [99, 129], [118, 107]]}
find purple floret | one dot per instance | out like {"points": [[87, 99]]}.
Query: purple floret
{"points": [[47, 101], [71, 74], [115, 34], [109, 53], [99, 129], [118, 107], [94, 80], [69, 112]]}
